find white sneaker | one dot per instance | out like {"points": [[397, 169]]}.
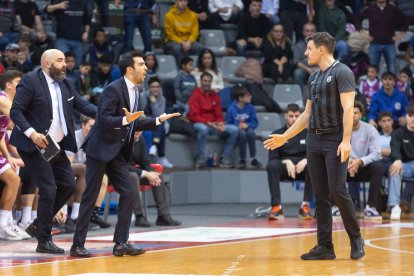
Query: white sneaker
{"points": [[395, 213], [336, 215], [164, 162], [19, 232], [371, 213], [6, 233], [153, 150]]}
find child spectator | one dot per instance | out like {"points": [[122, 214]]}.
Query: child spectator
{"points": [[105, 73], [370, 85], [242, 114], [184, 85], [404, 83], [98, 47], [85, 90], [71, 72]]}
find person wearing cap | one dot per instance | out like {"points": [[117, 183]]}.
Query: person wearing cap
{"points": [[10, 57]]}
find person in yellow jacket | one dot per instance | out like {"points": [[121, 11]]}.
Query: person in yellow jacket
{"points": [[181, 31]]}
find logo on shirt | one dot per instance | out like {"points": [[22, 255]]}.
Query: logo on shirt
{"points": [[329, 79], [397, 106]]}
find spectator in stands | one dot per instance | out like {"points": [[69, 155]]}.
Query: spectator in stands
{"points": [[332, 20], [270, 8], [370, 85], [8, 164], [407, 7], [252, 29], [71, 71], [28, 15], [105, 73], [200, 7], [385, 122], [364, 162], [388, 98], [140, 14], [206, 115], [9, 27], [206, 62], [9, 60], [225, 11], [302, 71], [72, 25], [79, 170], [184, 85], [153, 103], [24, 61], [181, 31], [402, 152], [146, 175], [405, 83], [241, 113], [278, 55], [152, 67], [384, 20], [85, 90], [98, 47], [289, 162], [294, 14]]}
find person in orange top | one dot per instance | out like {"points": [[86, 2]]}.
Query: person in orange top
{"points": [[181, 31], [207, 118]]}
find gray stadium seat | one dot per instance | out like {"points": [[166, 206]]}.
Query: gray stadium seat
{"points": [[137, 41], [167, 68], [268, 122], [229, 66], [214, 40], [285, 94]]}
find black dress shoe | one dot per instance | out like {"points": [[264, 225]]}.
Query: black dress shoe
{"points": [[80, 251], [141, 221], [97, 220], [121, 249], [357, 248], [49, 247], [167, 220], [32, 230]]}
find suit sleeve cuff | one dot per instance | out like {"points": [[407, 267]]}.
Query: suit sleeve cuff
{"points": [[143, 173], [124, 121], [29, 132]]}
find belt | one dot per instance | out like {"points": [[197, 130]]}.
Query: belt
{"points": [[137, 10], [325, 130]]}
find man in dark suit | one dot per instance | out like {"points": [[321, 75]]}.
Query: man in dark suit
{"points": [[147, 175], [108, 149], [44, 103]]}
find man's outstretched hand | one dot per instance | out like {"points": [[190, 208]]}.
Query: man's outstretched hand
{"points": [[275, 141], [130, 117], [164, 117]]}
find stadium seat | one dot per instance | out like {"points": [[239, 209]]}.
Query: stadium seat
{"points": [[229, 66], [137, 41], [268, 122], [167, 68], [214, 40], [285, 94]]}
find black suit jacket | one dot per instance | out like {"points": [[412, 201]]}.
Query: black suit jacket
{"points": [[108, 136], [32, 107]]}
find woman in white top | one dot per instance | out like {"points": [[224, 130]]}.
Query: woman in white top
{"points": [[207, 62]]}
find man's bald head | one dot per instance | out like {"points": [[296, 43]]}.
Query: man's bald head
{"points": [[53, 63]]}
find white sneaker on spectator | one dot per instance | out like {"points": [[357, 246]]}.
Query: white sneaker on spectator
{"points": [[336, 215], [19, 232], [371, 213], [153, 150], [6, 233], [395, 213], [164, 162]]}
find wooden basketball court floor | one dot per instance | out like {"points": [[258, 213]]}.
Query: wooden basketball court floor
{"points": [[246, 247]]}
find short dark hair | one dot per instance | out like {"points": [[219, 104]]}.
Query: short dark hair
{"points": [[185, 61], [323, 39], [106, 59], [205, 73], [9, 76], [410, 109], [98, 30], [152, 80], [70, 54], [384, 114], [127, 60], [360, 106], [292, 107], [407, 71], [86, 119], [239, 90], [373, 66], [388, 74]]}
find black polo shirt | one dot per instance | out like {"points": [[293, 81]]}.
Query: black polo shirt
{"points": [[294, 149], [324, 92]]}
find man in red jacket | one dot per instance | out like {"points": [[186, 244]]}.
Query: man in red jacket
{"points": [[205, 113]]}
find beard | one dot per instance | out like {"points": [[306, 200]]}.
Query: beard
{"points": [[57, 74]]}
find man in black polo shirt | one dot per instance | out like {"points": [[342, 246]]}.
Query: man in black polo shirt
{"points": [[289, 162], [329, 114]]}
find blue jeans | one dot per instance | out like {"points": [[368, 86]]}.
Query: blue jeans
{"points": [[300, 77], [247, 136], [175, 49], [230, 134], [394, 189], [342, 50], [143, 22], [68, 45], [388, 50]]}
